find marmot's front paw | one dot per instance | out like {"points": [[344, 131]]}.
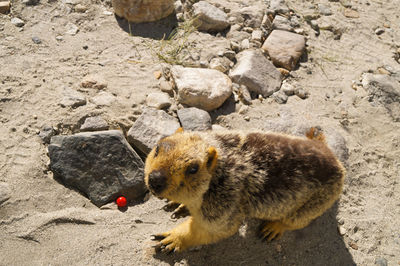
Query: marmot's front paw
{"points": [[169, 242], [178, 210], [272, 230]]}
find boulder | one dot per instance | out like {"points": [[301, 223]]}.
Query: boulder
{"points": [[209, 17], [284, 48], [138, 11], [101, 165], [206, 89], [256, 72], [194, 119], [149, 128]]}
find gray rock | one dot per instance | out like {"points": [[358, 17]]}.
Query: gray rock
{"points": [[36, 40], [5, 192], [256, 72], [206, 89], [279, 6], [324, 10], [281, 23], [252, 16], [194, 119], [17, 22], [280, 97], [150, 127], [46, 133], [209, 17], [284, 48], [94, 123], [101, 165], [381, 262], [384, 90], [158, 100], [103, 98], [72, 98]]}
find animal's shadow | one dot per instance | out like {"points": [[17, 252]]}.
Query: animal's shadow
{"points": [[317, 244], [155, 30]]}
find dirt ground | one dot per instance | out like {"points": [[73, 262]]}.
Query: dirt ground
{"points": [[45, 223]]}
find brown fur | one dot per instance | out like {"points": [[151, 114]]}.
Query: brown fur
{"points": [[224, 177]]}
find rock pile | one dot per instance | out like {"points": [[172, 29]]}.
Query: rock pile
{"points": [[264, 48]]}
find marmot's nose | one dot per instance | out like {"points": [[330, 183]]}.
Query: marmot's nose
{"points": [[157, 181]]}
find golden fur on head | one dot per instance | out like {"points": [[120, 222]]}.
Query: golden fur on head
{"points": [[186, 163]]}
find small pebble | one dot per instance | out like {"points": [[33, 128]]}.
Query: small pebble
{"points": [[342, 230], [107, 13], [353, 245], [278, 248], [157, 74], [36, 40], [301, 93], [379, 31], [85, 47], [17, 22], [80, 8], [59, 38]]}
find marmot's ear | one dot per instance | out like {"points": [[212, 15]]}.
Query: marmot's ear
{"points": [[179, 130], [212, 158]]}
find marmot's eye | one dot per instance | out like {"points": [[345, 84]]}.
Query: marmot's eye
{"points": [[192, 169]]}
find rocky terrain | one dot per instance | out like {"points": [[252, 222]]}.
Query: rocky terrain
{"points": [[84, 94]]}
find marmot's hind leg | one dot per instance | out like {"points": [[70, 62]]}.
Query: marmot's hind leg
{"points": [[312, 209]]}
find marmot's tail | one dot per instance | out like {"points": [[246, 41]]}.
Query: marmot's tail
{"points": [[315, 133]]}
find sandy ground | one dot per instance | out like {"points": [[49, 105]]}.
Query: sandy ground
{"points": [[44, 223]]}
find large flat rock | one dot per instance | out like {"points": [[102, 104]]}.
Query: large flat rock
{"points": [[102, 165], [206, 89], [256, 72], [150, 127], [284, 48]]}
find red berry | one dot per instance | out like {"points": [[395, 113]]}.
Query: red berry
{"points": [[121, 202]]}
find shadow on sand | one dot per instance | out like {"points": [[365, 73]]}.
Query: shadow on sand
{"points": [[317, 244], [155, 30]]}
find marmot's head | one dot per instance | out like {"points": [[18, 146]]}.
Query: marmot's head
{"points": [[180, 167]]}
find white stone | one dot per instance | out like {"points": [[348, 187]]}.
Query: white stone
{"points": [[72, 29], [17, 22], [206, 89]]}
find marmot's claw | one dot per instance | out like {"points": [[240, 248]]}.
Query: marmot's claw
{"points": [[157, 237], [170, 206], [272, 231], [180, 212]]}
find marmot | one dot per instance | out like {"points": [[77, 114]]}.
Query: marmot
{"points": [[223, 177]]}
